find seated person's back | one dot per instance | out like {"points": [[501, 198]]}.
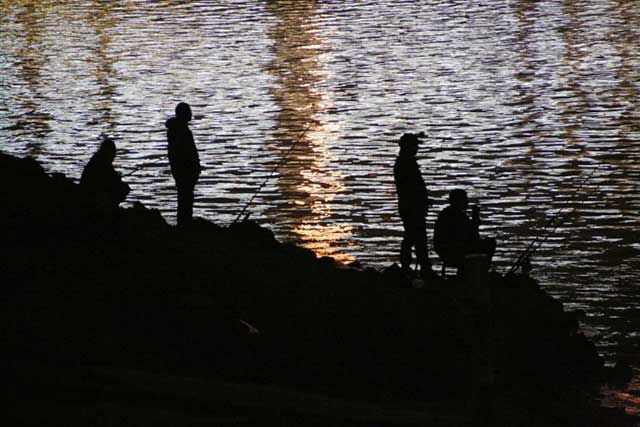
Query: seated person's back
{"points": [[456, 235], [100, 180]]}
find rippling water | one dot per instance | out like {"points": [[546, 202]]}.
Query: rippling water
{"points": [[533, 107]]}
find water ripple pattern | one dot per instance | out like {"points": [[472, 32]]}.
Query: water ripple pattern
{"points": [[531, 106]]}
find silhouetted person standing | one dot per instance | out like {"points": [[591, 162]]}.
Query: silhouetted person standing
{"points": [[456, 235], [413, 202], [100, 181], [184, 160]]}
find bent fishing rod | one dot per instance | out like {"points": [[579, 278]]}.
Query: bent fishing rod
{"points": [[273, 171], [558, 218]]}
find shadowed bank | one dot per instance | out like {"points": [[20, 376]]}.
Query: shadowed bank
{"points": [[124, 317]]}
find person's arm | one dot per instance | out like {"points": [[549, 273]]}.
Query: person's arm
{"points": [[117, 187], [194, 155], [475, 216], [424, 194], [475, 222], [198, 165]]}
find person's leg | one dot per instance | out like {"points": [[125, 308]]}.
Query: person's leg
{"points": [[189, 204], [181, 205], [422, 250], [408, 240], [488, 247], [185, 204]]}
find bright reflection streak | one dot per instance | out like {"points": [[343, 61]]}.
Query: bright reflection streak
{"points": [[520, 100], [629, 399], [308, 179], [322, 184]]}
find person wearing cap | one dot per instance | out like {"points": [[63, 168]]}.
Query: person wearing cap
{"points": [[413, 203], [456, 235], [183, 159], [100, 181]]}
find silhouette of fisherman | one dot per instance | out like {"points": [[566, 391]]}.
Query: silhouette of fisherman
{"points": [[100, 181], [456, 235], [413, 203], [184, 160]]}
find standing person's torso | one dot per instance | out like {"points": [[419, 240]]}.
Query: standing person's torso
{"points": [[410, 186], [183, 155]]}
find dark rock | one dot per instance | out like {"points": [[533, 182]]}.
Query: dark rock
{"points": [[619, 375], [125, 289]]}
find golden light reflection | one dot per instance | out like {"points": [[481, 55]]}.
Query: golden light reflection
{"points": [[103, 19], [30, 61], [36, 45], [632, 402], [626, 97], [307, 180], [577, 105], [629, 398], [621, 100], [525, 99]]}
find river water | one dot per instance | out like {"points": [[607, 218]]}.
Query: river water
{"points": [[532, 106]]}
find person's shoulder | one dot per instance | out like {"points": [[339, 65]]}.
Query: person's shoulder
{"points": [[447, 212], [172, 123], [441, 219]]}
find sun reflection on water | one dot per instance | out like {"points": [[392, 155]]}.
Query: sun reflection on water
{"points": [[307, 178], [538, 93]]}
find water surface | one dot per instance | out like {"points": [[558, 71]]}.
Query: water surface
{"points": [[533, 107]]}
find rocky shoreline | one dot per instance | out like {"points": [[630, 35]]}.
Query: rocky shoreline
{"points": [[97, 304]]}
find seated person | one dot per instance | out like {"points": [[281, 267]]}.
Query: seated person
{"points": [[456, 235], [100, 181]]}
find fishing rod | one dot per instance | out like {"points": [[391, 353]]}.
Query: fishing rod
{"points": [[531, 248], [597, 187], [104, 137], [139, 168], [280, 163]]}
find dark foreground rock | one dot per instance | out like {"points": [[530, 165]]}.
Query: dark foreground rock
{"points": [[211, 325]]}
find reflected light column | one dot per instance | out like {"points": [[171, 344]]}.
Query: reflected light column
{"points": [[306, 181]]}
